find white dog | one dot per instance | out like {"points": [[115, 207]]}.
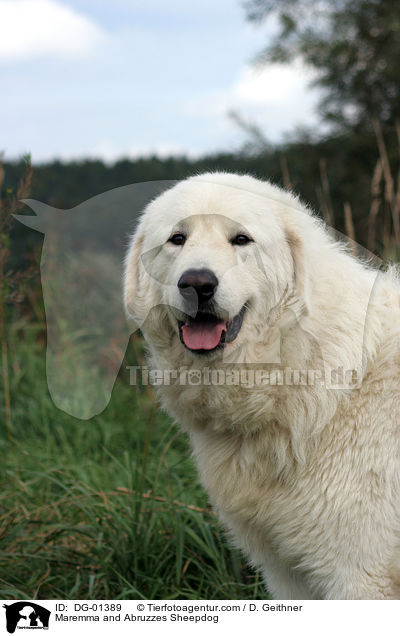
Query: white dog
{"points": [[227, 275]]}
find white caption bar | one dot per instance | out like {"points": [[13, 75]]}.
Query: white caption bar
{"points": [[205, 617]]}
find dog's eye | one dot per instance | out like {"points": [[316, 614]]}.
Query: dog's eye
{"points": [[241, 239], [177, 239]]}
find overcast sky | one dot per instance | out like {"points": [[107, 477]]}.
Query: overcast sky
{"points": [[114, 78]]}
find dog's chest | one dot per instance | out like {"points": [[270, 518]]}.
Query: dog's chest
{"points": [[242, 481]]}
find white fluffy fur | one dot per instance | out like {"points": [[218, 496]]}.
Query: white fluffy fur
{"points": [[306, 478]]}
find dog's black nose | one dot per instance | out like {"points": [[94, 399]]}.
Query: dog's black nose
{"points": [[201, 281]]}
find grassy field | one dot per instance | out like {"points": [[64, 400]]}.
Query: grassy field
{"points": [[107, 508]]}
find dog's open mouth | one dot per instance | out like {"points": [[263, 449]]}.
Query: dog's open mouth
{"points": [[206, 332]]}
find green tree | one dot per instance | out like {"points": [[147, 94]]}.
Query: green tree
{"points": [[354, 47]]}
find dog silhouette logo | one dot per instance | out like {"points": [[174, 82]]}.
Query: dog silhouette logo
{"points": [[81, 275], [26, 615]]}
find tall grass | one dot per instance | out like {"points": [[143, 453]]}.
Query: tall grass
{"points": [[108, 508]]}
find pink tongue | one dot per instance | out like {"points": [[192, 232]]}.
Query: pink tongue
{"points": [[203, 335]]}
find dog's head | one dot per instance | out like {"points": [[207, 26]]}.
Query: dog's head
{"points": [[211, 261]]}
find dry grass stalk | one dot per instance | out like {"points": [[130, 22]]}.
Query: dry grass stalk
{"points": [[149, 495], [349, 225], [375, 204], [285, 172], [391, 199], [322, 207], [327, 207], [9, 280], [397, 198]]}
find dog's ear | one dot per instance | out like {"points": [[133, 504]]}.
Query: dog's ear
{"points": [[133, 274], [300, 269]]}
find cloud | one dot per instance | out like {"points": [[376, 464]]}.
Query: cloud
{"points": [[276, 97], [45, 28], [271, 86]]}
